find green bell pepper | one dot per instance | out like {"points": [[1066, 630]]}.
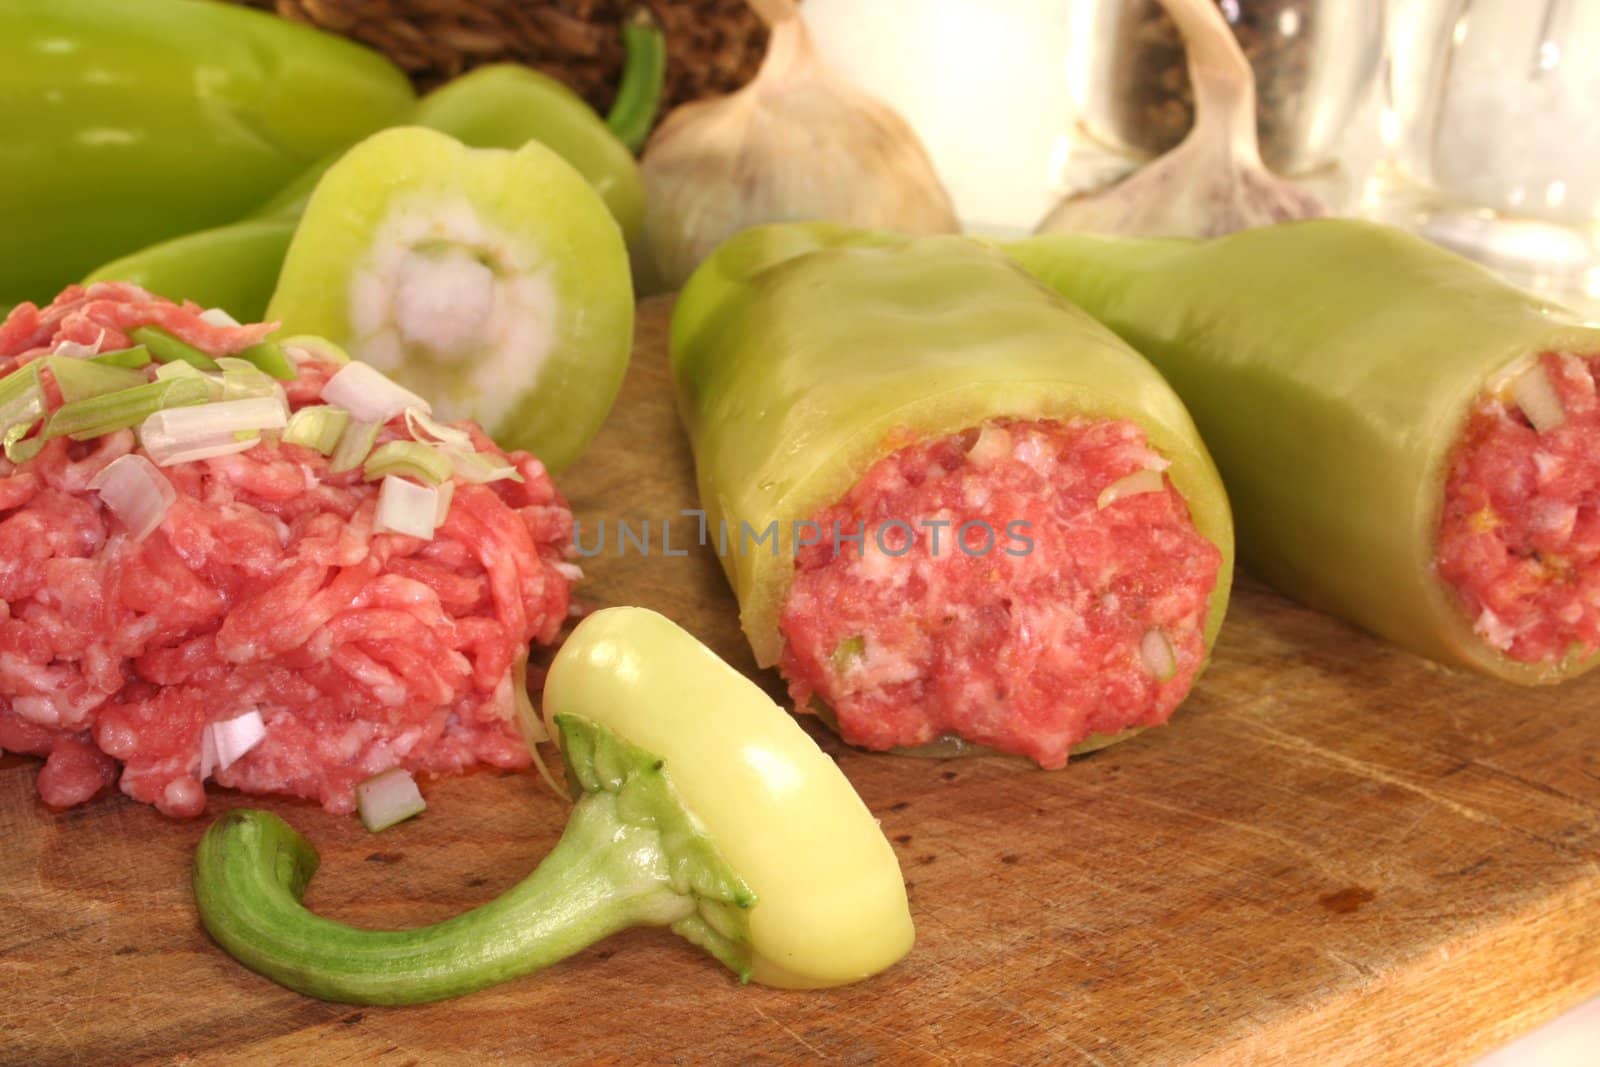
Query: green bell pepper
{"points": [[700, 805], [1330, 365], [126, 123], [498, 106], [797, 348]]}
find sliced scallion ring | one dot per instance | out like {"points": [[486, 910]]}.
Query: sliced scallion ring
{"points": [[169, 349], [81, 379], [355, 444], [125, 409], [406, 508], [137, 356], [306, 346], [369, 395], [21, 399], [477, 468], [270, 359], [242, 379], [318, 427], [412, 459], [424, 427]]}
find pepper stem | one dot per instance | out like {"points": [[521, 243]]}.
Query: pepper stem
{"points": [[631, 855], [644, 73]]}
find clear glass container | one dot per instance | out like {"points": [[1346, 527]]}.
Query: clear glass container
{"points": [[1493, 128], [1314, 62]]}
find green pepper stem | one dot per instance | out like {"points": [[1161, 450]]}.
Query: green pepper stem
{"points": [[644, 72], [603, 876], [630, 856]]}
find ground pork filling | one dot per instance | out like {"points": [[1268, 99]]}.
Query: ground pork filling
{"points": [[1519, 537], [1022, 586], [264, 590]]}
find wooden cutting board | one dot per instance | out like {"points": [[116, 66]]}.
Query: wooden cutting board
{"points": [[1336, 853]]}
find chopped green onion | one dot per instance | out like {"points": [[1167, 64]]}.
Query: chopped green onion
{"points": [[79, 379], [167, 372], [849, 653], [354, 446], [122, 410], [308, 346], [167, 450], [477, 468], [1156, 652], [369, 395], [20, 449], [21, 398], [388, 798], [137, 356], [169, 349], [218, 317], [410, 458], [423, 426], [405, 507], [270, 359], [211, 420], [1536, 395], [1138, 483], [318, 426], [529, 720], [74, 350], [241, 379], [134, 491]]}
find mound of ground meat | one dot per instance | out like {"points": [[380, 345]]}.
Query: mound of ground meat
{"points": [[264, 588], [1519, 534], [1085, 615]]}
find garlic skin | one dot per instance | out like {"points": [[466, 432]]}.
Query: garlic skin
{"points": [[1214, 182], [799, 143]]}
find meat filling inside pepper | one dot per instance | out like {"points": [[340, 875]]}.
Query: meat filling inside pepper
{"points": [[1519, 539], [1023, 585]]}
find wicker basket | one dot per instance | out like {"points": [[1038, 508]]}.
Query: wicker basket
{"points": [[714, 46]]}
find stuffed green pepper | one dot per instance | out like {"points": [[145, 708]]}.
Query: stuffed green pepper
{"points": [[951, 505], [1408, 442]]}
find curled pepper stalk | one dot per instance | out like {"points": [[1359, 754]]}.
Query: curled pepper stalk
{"points": [[732, 828], [644, 72]]}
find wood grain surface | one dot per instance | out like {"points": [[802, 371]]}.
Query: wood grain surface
{"points": [[1335, 854]]}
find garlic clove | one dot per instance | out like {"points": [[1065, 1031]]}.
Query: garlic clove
{"points": [[798, 143], [1214, 182]]}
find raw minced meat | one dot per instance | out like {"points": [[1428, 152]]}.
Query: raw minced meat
{"points": [[1079, 619], [264, 588], [1519, 534]]}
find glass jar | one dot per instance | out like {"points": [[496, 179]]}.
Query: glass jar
{"points": [[1314, 61], [1493, 125]]}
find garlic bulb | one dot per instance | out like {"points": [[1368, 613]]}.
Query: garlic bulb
{"points": [[798, 143], [1214, 182]]}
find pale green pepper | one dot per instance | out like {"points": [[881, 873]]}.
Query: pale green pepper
{"points": [[797, 349], [126, 123], [1330, 365], [701, 806]]}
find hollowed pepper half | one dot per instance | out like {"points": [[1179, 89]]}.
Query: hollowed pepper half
{"points": [[493, 282], [950, 504], [700, 805], [1408, 442], [497, 106]]}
